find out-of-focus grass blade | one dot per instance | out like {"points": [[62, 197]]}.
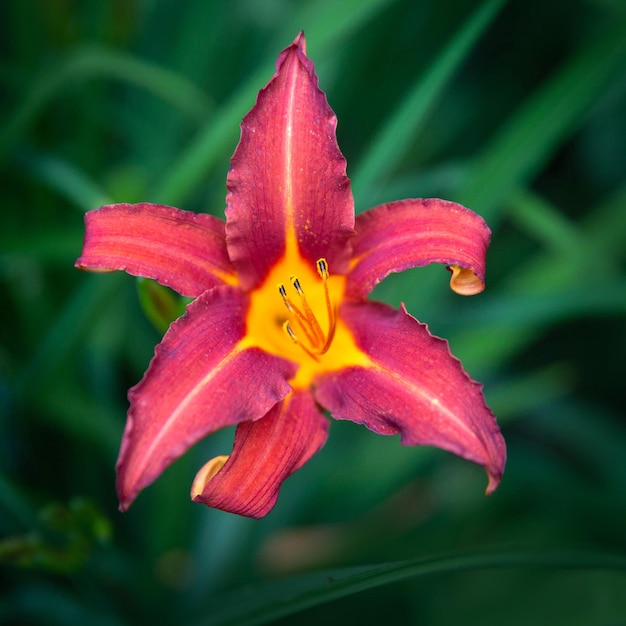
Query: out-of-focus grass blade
{"points": [[67, 407], [58, 246], [606, 225], [395, 137], [596, 245], [262, 604], [89, 63], [67, 179], [528, 310], [515, 395], [539, 219], [522, 147], [586, 430], [327, 21], [78, 315], [572, 254]]}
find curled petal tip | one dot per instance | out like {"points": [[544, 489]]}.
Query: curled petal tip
{"points": [[94, 270], [206, 473], [494, 482], [497, 461], [464, 282]]}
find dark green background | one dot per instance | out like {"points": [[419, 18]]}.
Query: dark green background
{"points": [[516, 109]]}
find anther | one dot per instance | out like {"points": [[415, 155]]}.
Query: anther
{"points": [[287, 328], [283, 293], [296, 285], [322, 268]]}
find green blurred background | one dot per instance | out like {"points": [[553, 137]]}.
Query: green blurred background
{"points": [[516, 109]]}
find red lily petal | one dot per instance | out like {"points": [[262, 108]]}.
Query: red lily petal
{"points": [[414, 388], [265, 453], [179, 249], [288, 176], [199, 380], [411, 233]]}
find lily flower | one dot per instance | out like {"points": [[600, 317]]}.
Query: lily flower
{"points": [[281, 332]]}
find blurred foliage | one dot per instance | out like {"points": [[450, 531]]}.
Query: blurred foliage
{"points": [[516, 109], [72, 533]]}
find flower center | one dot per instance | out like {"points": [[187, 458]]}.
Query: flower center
{"points": [[302, 322], [309, 336]]}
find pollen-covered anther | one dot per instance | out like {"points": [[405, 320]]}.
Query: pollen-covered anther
{"points": [[304, 317], [322, 269]]}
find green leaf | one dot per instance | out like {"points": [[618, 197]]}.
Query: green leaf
{"points": [[287, 597], [160, 304]]}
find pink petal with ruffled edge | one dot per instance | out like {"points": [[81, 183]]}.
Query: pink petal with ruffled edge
{"points": [[288, 176], [179, 249], [414, 388], [411, 233], [199, 381], [264, 454]]}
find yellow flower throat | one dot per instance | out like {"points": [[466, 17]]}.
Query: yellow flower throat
{"points": [[300, 321]]}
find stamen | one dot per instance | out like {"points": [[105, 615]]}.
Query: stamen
{"points": [[308, 312], [283, 292], [305, 318], [300, 317], [322, 270]]}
